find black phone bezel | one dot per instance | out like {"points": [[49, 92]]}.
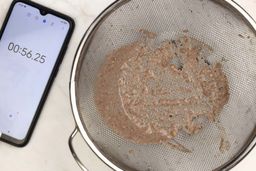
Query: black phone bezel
{"points": [[24, 142]]}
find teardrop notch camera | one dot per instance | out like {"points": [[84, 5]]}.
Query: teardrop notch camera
{"points": [[43, 12]]}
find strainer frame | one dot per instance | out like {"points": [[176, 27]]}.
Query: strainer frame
{"points": [[83, 46]]}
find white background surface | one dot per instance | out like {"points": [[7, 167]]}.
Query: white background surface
{"points": [[48, 148]]}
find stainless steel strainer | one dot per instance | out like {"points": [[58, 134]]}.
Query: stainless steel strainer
{"points": [[223, 25]]}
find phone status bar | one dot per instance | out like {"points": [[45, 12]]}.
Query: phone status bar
{"points": [[44, 20]]}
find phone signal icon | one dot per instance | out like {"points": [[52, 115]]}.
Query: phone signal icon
{"points": [[22, 5]]}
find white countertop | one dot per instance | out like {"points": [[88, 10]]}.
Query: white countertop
{"points": [[48, 148]]}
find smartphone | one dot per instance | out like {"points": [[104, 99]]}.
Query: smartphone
{"points": [[33, 41]]}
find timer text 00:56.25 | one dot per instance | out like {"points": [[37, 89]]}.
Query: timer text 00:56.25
{"points": [[37, 57]]}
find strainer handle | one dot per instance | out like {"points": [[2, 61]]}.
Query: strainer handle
{"points": [[70, 143]]}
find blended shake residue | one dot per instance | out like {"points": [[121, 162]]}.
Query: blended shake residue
{"points": [[148, 95]]}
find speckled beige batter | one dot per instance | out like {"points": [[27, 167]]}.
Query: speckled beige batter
{"points": [[148, 95]]}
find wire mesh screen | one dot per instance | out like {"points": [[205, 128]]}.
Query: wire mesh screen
{"points": [[234, 45]]}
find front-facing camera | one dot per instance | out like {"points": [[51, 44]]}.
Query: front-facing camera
{"points": [[43, 12]]}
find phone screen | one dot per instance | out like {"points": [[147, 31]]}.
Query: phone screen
{"points": [[29, 48]]}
